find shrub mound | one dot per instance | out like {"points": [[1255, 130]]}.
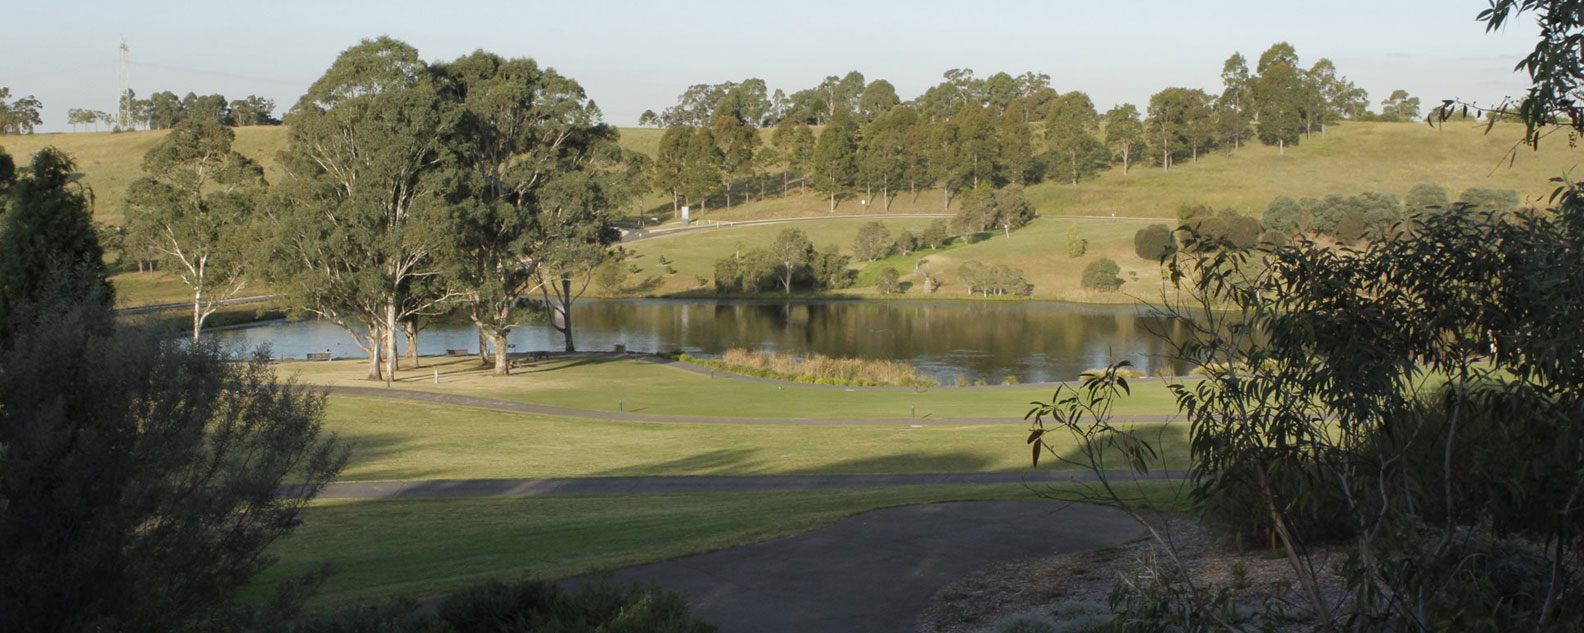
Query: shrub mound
{"points": [[817, 369]]}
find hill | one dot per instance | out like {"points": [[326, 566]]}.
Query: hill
{"points": [[1350, 158]]}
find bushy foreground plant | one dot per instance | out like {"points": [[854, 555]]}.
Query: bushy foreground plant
{"points": [[1418, 403]]}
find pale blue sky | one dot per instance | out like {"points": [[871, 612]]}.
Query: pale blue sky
{"points": [[636, 55]]}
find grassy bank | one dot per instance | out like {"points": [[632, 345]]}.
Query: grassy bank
{"points": [[426, 547], [613, 383], [398, 440]]}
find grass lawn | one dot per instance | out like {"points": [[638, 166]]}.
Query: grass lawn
{"points": [[398, 440], [426, 547], [607, 383]]}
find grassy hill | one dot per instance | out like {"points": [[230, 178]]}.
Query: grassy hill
{"points": [[1349, 158]]}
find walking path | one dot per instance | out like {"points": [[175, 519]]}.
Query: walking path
{"points": [[702, 225], [618, 416], [712, 483], [875, 572]]}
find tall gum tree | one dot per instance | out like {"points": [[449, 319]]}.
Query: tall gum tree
{"points": [[194, 208], [539, 181], [360, 219]]}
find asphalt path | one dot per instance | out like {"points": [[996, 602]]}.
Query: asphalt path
{"points": [[875, 572]]}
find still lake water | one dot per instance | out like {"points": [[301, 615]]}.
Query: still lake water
{"points": [[1034, 341]]}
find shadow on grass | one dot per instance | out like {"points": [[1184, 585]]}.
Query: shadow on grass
{"points": [[385, 449], [752, 462]]}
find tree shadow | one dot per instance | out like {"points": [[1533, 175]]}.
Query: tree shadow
{"points": [[758, 462], [386, 449]]}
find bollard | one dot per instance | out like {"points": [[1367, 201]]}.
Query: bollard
{"points": [[621, 406], [913, 411], [437, 376]]}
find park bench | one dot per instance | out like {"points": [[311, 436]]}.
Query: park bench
{"points": [[318, 355], [458, 352]]}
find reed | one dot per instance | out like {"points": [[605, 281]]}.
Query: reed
{"points": [[817, 369]]}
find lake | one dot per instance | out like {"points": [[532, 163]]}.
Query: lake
{"points": [[1034, 341]]}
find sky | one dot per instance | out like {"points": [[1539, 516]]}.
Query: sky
{"points": [[633, 56]]}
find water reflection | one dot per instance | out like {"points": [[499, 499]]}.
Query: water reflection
{"points": [[1034, 341]]}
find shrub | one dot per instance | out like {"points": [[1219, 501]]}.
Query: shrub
{"points": [[888, 282], [1283, 215], [610, 277], [1154, 242], [1010, 380], [999, 279], [1426, 198], [1076, 244], [1483, 199], [906, 243], [872, 242], [1101, 274]]}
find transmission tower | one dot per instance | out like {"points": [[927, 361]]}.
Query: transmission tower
{"points": [[125, 118]]}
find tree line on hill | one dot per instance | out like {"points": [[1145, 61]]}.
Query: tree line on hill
{"points": [[969, 132], [163, 110]]}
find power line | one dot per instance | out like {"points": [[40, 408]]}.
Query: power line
{"points": [[221, 73]]}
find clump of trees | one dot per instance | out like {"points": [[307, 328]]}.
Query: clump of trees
{"points": [[790, 262], [1374, 215], [164, 110], [1006, 208], [996, 280], [20, 115]]}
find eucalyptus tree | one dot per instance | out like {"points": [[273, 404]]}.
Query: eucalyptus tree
{"points": [[737, 140], [1070, 136], [1278, 96], [539, 177], [877, 99], [1237, 100], [794, 140], [19, 116], [790, 252], [1124, 134], [361, 214], [47, 240], [194, 207], [671, 161], [835, 157], [701, 168], [884, 152], [745, 102]]}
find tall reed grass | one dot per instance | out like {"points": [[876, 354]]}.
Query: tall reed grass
{"points": [[817, 369]]}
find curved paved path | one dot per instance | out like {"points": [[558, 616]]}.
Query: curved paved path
{"points": [[875, 572], [544, 409]]}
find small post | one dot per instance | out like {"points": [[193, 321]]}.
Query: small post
{"points": [[437, 376], [913, 411], [621, 406]]}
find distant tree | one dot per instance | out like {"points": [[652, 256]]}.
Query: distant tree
{"points": [[835, 158], [1400, 107], [701, 168], [695, 106], [254, 110], [884, 153], [80, 116], [745, 102], [829, 269], [1101, 274], [195, 207], [7, 176], [1283, 215], [872, 242], [48, 245], [1154, 242], [164, 110], [649, 119], [1076, 244], [906, 242], [1069, 133], [790, 252], [888, 282], [1426, 199], [935, 235], [1279, 97], [738, 141], [878, 98], [19, 116], [795, 141], [1236, 103], [1173, 128], [1124, 134], [670, 164]]}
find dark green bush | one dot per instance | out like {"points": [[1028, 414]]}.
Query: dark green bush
{"points": [[1154, 242]]}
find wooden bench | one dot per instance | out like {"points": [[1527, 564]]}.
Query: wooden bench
{"points": [[458, 352], [318, 355]]}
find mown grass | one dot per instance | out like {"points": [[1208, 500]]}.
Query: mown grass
{"points": [[608, 383], [394, 440], [426, 547]]}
